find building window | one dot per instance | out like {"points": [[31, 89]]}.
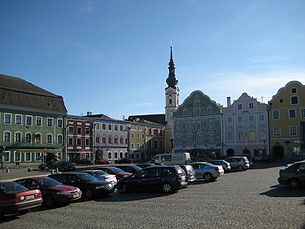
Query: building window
{"points": [[29, 120], [302, 112], [116, 127], [293, 90], [138, 146], [115, 141], [60, 123], [49, 139], [79, 130], [292, 114], [79, 141], [276, 115], [60, 139], [132, 145], [97, 126], [70, 141], [121, 141], [49, 122], [18, 119], [87, 141], [281, 100], [277, 131], [229, 119], [104, 140], [240, 118], [115, 155], [6, 156], [294, 100], [251, 118], [71, 129], [250, 105], [109, 127], [109, 155], [37, 157], [7, 118], [261, 117], [109, 140], [230, 136], [292, 130], [87, 130], [38, 121], [18, 137], [17, 157], [132, 135], [97, 140], [121, 128], [37, 138], [7, 136], [240, 136], [28, 137], [27, 156], [239, 106], [121, 155], [104, 126]]}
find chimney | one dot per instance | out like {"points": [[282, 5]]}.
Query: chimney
{"points": [[89, 113], [228, 101]]}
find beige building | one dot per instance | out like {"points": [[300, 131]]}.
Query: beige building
{"points": [[287, 122]]}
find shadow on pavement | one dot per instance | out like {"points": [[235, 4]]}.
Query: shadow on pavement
{"points": [[8, 218], [284, 191]]}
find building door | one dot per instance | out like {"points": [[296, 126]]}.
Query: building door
{"points": [[230, 152], [278, 152]]}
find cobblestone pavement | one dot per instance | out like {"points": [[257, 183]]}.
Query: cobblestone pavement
{"points": [[250, 199]]}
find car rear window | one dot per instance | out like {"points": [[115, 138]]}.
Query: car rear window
{"points": [[12, 187]]}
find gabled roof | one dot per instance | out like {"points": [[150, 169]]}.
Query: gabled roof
{"points": [[18, 93]]}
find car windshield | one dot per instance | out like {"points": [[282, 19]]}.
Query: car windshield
{"points": [[100, 173], [48, 182], [87, 177], [116, 170], [12, 187]]}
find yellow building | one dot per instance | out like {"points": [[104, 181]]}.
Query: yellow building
{"points": [[287, 122]]}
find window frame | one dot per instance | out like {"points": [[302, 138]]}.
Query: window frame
{"points": [[10, 118], [26, 120], [21, 119]]}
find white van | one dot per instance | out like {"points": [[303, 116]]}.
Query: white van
{"points": [[173, 158]]}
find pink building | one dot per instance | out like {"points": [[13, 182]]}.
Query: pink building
{"points": [[245, 129]]}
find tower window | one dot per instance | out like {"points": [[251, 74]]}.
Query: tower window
{"points": [[170, 101]]}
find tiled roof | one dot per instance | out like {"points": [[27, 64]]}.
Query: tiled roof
{"points": [[16, 92]]}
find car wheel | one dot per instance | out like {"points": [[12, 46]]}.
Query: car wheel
{"points": [[167, 188], [124, 188], [208, 177], [89, 193], [48, 201], [240, 168], [294, 183]]}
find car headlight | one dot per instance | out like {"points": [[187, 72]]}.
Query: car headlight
{"points": [[77, 190], [109, 186], [63, 193]]}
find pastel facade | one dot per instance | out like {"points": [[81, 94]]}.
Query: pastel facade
{"points": [[32, 122], [197, 126], [287, 122], [245, 127]]}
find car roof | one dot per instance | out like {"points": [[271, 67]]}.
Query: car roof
{"points": [[71, 173]]}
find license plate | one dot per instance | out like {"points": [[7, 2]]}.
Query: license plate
{"points": [[29, 197], [76, 195]]}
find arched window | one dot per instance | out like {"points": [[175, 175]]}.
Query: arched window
{"points": [[109, 155], [37, 138], [18, 137], [59, 139], [28, 137]]}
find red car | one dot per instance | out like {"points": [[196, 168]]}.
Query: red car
{"points": [[101, 161], [53, 192], [119, 173], [15, 198]]}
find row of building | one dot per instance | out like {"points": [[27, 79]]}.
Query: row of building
{"points": [[34, 123]]}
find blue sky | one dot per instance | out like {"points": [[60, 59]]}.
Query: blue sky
{"points": [[111, 56]]}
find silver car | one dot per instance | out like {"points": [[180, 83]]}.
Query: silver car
{"points": [[239, 162], [101, 175], [207, 171], [225, 165]]}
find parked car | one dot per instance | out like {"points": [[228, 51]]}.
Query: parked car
{"points": [[123, 161], [165, 178], [172, 158], [84, 161], [102, 161], [238, 162], [129, 168], [53, 192], [119, 173], [62, 166], [89, 185], [144, 165], [102, 175], [225, 165], [15, 198], [207, 171], [189, 172], [293, 175]]}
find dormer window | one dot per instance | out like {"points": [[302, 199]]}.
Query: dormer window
{"points": [[294, 100], [239, 106], [293, 90]]}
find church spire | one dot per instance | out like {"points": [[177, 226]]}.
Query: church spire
{"points": [[171, 80]]}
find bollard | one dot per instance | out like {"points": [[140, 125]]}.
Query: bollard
{"points": [[7, 170]]}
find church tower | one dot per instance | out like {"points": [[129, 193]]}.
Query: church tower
{"points": [[171, 103]]}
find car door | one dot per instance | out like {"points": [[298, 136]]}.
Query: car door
{"points": [[301, 173], [199, 170], [137, 181]]}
